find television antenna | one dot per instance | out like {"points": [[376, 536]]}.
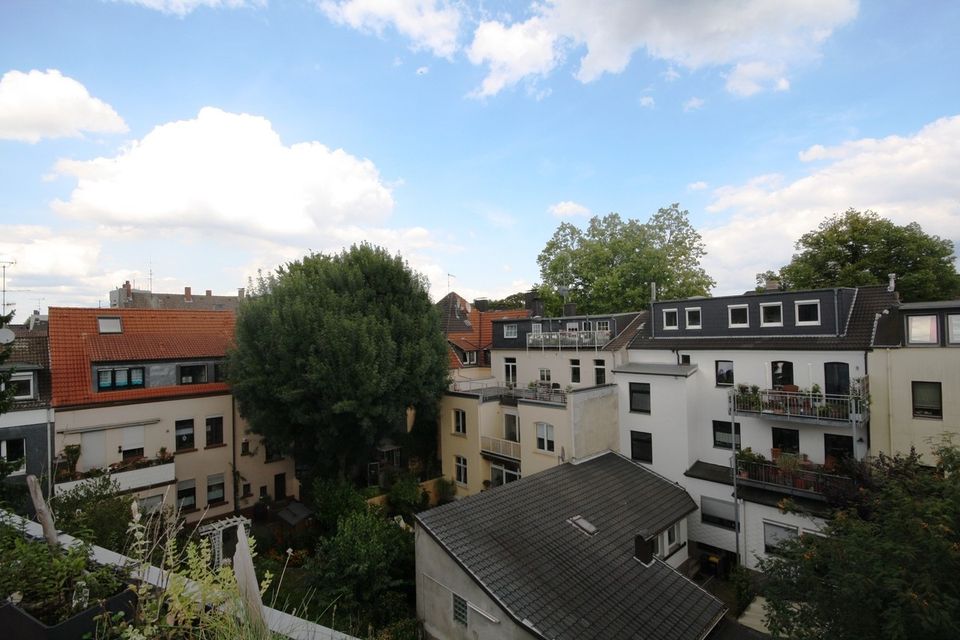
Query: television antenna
{"points": [[3, 286]]}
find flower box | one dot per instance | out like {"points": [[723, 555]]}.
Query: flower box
{"points": [[17, 623]]}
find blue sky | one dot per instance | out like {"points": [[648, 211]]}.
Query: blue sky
{"points": [[200, 140]]}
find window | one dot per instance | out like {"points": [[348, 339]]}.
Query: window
{"points": [[808, 312], [545, 437], [460, 421], [927, 400], [600, 371], [671, 319], [13, 450], [953, 329], [131, 446], [510, 370], [193, 373], [693, 318], [247, 490], [219, 371], [836, 378], [719, 513], [215, 488], [109, 325], [586, 325], [149, 504], [214, 431], [511, 431], [575, 370], [459, 610], [922, 330], [781, 373], [787, 440], [722, 436], [271, 453], [641, 446], [471, 357], [119, 378], [22, 385], [771, 314], [509, 331], [187, 494], [724, 370], [503, 473], [673, 536], [536, 328], [184, 431], [640, 397], [461, 467], [133, 454], [603, 325], [684, 358], [245, 447], [544, 375], [738, 316], [775, 534]]}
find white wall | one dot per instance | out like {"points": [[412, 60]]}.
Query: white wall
{"points": [[754, 515]]}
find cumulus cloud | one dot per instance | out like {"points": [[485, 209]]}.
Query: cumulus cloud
{"points": [[760, 39], [699, 185], [568, 209], [513, 53], [429, 24], [228, 171], [647, 102], [693, 104], [912, 178], [183, 7], [47, 104]]}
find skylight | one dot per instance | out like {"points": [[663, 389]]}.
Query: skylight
{"points": [[109, 325], [583, 524]]}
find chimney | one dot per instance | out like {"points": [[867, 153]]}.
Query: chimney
{"points": [[186, 294], [569, 308], [481, 304], [240, 292], [893, 282], [643, 549], [127, 291], [209, 293], [533, 303], [772, 284]]}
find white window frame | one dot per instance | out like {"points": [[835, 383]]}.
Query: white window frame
{"points": [[674, 530], [544, 374], [687, 323], [212, 482], [545, 433], [586, 325], [460, 466], [22, 469], [536, 328], [460, 422], [109, 324], [516, 426], [509, 331], [676, 316], [603, 325], [730, 308], [470, 357], [806, 323], [795, 529], [936, 330], [150, 504], [26, 375], [771, 305], [953, 336]]}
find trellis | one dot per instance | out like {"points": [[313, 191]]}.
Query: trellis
{"points": [[215, 531]]}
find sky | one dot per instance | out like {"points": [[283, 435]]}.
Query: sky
{"points": [[179, 143]]}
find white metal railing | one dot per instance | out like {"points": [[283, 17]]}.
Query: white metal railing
{"points": [[577, 339], [500, 447], [802, 405]]}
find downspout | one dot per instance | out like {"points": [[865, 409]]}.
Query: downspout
{"points": [[233, 446], [836, 310], [889, 409], [49, 457]]}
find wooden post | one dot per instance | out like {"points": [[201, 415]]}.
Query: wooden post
{"points": [[43, 513], [247, 581]]}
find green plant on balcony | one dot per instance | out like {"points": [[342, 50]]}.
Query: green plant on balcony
{"points": [[748, 398], [749, 456]]}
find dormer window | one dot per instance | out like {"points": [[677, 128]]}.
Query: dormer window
{"points": [[671, 319], [193, 374], [808, 312], [119, 378], [738, 315], [922, 330], [509, 331], [109, 325], [771, 314], [693, 318], [23, 386]]}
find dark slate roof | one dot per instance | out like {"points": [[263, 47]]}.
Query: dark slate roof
{"points": [[561, 583], [629, 332], [29, 352], [857, 336], [454, 314]]}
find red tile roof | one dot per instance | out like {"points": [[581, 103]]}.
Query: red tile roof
{"points": [[479, 337], [148, 335]]}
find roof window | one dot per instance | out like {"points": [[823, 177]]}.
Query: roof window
{"points": [[109, 325], [583, 524]]}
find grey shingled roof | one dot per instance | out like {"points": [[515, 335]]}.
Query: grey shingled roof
{"points": [[859, 334], [517, 543]]}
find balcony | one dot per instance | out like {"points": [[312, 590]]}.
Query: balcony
{"points": [[800, 406], [790, 476], [568, 339], [148, 473], [500, 447], [492, 390]]}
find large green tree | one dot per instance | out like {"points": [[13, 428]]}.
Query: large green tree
{"points": [[887, 564], [610, 265], [860, 248], [332, 350]]}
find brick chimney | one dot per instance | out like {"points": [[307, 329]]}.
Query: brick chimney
{"points": [[187, 295], [240, 292], [127, 291], [209, 293]]}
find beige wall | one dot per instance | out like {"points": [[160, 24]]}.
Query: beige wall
{"points": [[256, 471], [529, 363], [893, 428], [595, 421], [452, 444]]}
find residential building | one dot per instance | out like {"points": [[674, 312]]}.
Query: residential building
{"points": [[587, 549], [26, 429], [549, 398], [914, 382], [469, 332], [126, 297], [790, 368], [142, 393]]}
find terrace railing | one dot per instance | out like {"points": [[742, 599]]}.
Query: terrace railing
{"points": [[569, 339]]}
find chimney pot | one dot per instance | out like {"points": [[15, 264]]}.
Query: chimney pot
{"points": [[893, 282], [209, 293], [570, 309], [186, 294]]}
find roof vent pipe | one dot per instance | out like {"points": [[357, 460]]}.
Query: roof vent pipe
{"points": [[893, 282]]}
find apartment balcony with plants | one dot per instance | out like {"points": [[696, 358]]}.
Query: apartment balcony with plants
{"points": [[789, 403], [133, 473], [792, 474]]}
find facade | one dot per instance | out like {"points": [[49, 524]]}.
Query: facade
{"points": [[790, 367], [26, 429], [469, 332], [143, 394], [549, 398], [914, 379], [126, 297], [586, 549]]}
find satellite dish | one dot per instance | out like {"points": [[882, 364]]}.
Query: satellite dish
{"points": [[6, 336]]}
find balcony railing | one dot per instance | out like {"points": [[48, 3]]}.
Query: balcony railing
{"points": [[500, 447], [491, 391], [575, 339], [158, 473], [800, 405], [809, 483]]}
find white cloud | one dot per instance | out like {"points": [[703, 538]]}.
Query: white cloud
{"points": [[700, 185], [512, 53], [183, 7], [422, 71], [755, 36], [913, 178], [429, 24], [693, 104], [670, 74], [568, 209], [647, 102], [227, 171], [40, 104]]}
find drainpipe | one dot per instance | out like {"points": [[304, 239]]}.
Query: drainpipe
{"points": [[233, 446], [49, 457], [836, 310]]}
